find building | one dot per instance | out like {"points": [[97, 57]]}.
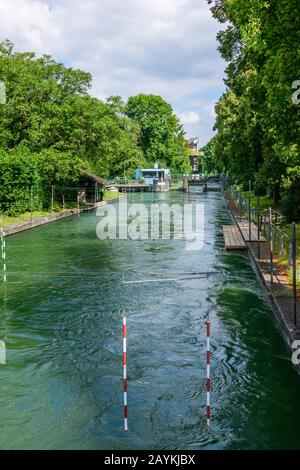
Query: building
{"points": [[156, 178], [91, 188], [195, 155]]}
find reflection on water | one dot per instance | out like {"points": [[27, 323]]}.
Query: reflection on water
{"points": [[61, 320]]}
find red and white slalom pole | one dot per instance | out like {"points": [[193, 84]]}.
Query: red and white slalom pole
{"points": [[3, 250], [208, 381], [125, 372]]}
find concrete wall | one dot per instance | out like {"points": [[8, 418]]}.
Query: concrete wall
{"points": [[20, 227]]}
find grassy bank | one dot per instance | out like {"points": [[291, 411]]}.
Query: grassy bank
{"points": [[264, 201], [109, 195], [284, 259], [27, 216]]}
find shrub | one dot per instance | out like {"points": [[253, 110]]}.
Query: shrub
{"points": [[18, 173], [290, 206]]}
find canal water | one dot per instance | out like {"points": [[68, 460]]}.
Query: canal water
{"points": [[61, 320]]}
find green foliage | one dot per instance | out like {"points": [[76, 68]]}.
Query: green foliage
{"points": [[21, 170], [209, 165], [161, 134], [51, 129], [290, 206], [59, 168], [18, 173], [258, 125], [127, 155]]}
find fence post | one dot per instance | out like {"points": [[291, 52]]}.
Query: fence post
{"points": [[52, 199], [249, 204], [63, 202], [294, 275], [78, 205], [271, 245], [3, 250], [31, 202], [258, 226]]}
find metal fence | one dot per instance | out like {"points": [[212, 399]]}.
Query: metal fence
{"points": [[37, 202], [281, 237], [272, 225]]}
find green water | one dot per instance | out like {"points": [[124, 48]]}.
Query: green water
{"points": [[61, 320]]}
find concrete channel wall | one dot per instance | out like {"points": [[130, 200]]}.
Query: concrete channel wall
{"points": [[281, 305], [20, 227]]}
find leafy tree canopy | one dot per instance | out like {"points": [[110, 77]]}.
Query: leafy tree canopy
{"points": [[258, 125], [52, 120], [161, 134]]}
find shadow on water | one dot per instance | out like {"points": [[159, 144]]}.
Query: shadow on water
{"points": [[61, 319]]}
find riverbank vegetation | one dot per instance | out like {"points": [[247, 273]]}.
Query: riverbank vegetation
{"points": [[258, 117], [20, 217], [51, 128]]}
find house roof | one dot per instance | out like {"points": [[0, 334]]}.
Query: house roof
{"points": [[192, 140], [95, 178]]}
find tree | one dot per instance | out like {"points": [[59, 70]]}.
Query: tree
{"points": [[161, 134], [209, 165], [50, 123], [128, 155], [49, 108], [257, 123]]}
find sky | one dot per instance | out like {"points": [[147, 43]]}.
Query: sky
{"points": [[163, 47]]}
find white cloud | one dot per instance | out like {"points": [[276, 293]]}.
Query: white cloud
{"points": [[165, 47], [189, 117]]}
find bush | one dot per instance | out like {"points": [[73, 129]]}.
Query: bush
{"points": [[290, 206], [21, 170], [18, 173]]}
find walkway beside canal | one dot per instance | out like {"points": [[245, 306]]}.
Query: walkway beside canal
{"points": [[279, 291], [61, 320]]}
